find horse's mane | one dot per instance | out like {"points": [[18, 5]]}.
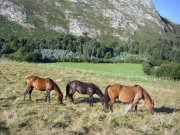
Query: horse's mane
{"points": [[98, 91], [31, 76], [146, 96], [57, 89]]}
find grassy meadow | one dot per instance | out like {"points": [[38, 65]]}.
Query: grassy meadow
{"points": [[18, 117]]}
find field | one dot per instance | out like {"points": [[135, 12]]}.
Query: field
{"points": [[18, 117]]}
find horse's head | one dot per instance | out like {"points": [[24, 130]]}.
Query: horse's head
{"points": [[150, 107], [102, 100], [60, 98], [105, 107]]}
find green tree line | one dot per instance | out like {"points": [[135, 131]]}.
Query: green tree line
{"points": [[30, 49], [66, 47]]}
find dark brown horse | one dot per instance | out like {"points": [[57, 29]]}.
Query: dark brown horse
{"points": [[127, 94], [83, 88], [42, 84]]}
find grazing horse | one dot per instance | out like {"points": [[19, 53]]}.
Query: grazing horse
{"points": [[83, 88], [126, 94], [42, 84]]}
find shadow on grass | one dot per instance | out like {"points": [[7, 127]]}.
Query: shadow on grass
{"points": [[9, 98], [164, 109], [3, 129], [86, 100], [40, 100]]}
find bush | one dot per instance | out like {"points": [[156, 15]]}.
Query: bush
{"points": [[107, 55], [147, 67], [32, 57], [6, 49], [169, 70]]}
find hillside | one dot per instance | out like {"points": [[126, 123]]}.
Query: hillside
{"points": [[38, 117], [122, 20]]}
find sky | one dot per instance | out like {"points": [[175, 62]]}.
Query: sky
{"points": [[169, 9]]}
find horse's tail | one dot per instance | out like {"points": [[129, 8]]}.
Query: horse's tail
{"points": [[106, 97], [67, 90]]}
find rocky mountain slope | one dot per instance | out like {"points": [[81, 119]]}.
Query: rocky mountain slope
{"points": [[122, 19]]}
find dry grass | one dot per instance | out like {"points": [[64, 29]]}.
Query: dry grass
{"points": [[37, 117]]}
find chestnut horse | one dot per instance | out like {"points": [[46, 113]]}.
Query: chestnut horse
{"points": [[42, 84], [83, 88], [127, 94]]}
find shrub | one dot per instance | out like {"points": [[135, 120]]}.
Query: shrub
{"points": [[107, 55], [169, 70], [147, 67]]}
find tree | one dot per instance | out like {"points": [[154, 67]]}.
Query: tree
{"points": [[107, 55]]}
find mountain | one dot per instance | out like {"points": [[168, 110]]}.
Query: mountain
{"points": [[123, 20]]}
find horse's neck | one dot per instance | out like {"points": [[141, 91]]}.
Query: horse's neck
{"points": [[99, 93], [147, 98], [57, 89]]}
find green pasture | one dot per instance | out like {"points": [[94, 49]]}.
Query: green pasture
{"points": [[124, 70]]}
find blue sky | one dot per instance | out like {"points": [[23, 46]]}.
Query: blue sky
{"points": [[169, 9]]}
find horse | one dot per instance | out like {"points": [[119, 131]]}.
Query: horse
{"points": [[42, 84], [126, 94], [83, 88]]}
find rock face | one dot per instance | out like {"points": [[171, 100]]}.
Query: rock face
{"points": [[14, 13], [118, 18]]}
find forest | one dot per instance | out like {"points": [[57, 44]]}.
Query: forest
{"points": [[69, 48]]}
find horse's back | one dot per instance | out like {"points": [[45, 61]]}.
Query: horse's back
{"points": [[129, 93], [84, 87], [125, 93], [39, 83]]}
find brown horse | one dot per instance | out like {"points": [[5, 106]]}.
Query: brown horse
{"points": [[42, 84], [127, 94]]}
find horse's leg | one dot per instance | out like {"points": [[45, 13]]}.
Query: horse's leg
{"points": [[71, 98], [71, 95], [26, 92], [111, 104], [136, 108], [134, 104], [30, 91], [47, 96], [91, 100]]}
